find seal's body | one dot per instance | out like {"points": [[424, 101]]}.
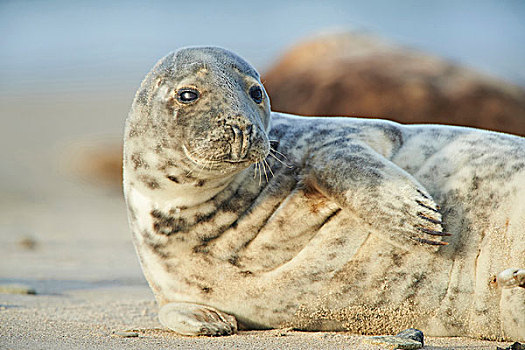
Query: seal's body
{"points": [[242, 214]]}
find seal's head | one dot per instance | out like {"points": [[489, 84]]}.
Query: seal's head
{"points": [[201, 107]]}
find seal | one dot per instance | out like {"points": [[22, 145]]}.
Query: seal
{"points": [[243, 217]]}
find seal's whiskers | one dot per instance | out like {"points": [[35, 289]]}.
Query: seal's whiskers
{"points": [[280, 161], [260, 172], [264, 169], [207, 165], [195, 165], [279, 153], [269, 167]]}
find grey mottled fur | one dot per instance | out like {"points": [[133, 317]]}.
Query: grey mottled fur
{"points": [[242, 214]]}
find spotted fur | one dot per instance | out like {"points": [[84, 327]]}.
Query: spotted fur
{"points": [[240, 214]]}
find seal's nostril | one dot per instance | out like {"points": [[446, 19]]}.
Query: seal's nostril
{"points": [[248, 139], [237, 133], [237, 142], [242, 137]]}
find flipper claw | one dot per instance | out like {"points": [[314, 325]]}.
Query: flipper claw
{"points": [[433, 232], [428, 241]]}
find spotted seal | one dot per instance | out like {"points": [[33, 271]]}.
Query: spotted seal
{"points": [[243, 217]]}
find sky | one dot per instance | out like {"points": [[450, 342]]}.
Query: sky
{"points": [[68, 46]]}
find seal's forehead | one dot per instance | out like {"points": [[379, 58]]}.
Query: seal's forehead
{"points": [[188, 60]]}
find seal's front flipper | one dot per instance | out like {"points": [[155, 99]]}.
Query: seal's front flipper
{"points": [[194, 319], [396, 205]]}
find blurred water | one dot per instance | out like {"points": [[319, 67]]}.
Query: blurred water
{"points": [[61, 45]]}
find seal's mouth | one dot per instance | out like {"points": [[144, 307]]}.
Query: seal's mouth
{"points": [[239, 161], [219, 162]]}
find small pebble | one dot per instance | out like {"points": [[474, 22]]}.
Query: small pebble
{"points": [[515, 346], [328, 335], [16, 289], [414, 334], [125, 334], [282, 332], [394, 342], [27, 243]]}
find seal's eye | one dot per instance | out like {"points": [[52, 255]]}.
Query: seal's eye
{"points": [[187, 95], [256, 94]]}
